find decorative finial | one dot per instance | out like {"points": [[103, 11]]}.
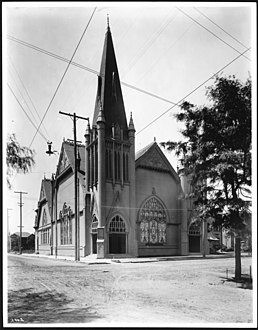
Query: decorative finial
{"points": [[107, 21], [154, 139], [101, 117], [131, 124]]}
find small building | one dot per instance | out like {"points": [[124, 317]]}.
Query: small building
{"points": [[15, 240]]}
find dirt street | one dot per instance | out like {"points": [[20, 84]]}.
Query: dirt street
{"points": [[43, 290]]}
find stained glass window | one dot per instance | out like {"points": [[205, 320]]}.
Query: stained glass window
{"points": [[153, 223], [66, 225], [44, 222]]}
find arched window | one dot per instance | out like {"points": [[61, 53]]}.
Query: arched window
{"points": [[66, 225], [117, 225], [44, 222], [125, 166], [153, 223], [108, 164]]}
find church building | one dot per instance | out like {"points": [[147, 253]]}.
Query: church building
{"points": [[129, 204]]}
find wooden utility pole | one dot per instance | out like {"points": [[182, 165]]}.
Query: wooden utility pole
{"points": [[8, 232], [76, 208], [20, 204]]}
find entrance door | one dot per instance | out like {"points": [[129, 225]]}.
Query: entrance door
{"points": [[194, 243], [94, 243], [117, 243]]}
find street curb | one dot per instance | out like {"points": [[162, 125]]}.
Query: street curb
{"points": [[133, 260]]}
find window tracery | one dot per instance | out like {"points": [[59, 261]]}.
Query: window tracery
{"points": [[66, 225], [153, 223], [117, 225]]}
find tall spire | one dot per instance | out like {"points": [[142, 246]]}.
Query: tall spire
{"points": [[107, 22], [109, 91]]}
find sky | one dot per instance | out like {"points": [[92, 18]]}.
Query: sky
{"points": [[167, 49]]}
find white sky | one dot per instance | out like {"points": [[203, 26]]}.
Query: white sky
{"points": [[158, 49]]}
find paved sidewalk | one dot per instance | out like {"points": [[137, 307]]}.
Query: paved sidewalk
{"points": [[92, 259]]}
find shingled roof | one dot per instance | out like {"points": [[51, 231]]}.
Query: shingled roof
{"points": [[142, 151]]}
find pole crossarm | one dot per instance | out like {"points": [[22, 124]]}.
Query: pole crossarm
{"points": [[76, 185], [72, 115]]}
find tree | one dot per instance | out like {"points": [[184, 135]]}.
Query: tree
{"points": [[216, 153], [18, 159]]}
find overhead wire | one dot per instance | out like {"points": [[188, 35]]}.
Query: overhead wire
{"points": [[230, 35], [195, 89], [28, 107], [148, 44], [24, 100], [84, 67], [173, 44], [125, 84], [23, 85], [59, 84], [189, 16], [35, 126]]}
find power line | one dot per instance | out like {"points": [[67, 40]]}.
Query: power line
{"points": [[173, 44], [26, 113], [212, 32], [220, 27], [34, 124], [84, 67], [63, 76], [148, 44], [178, 103], [27, 95], [24, 100]]}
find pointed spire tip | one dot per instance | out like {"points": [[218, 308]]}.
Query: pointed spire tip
{"points": [[108, 22]]}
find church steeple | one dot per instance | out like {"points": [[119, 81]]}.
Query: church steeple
{"points": [[109, 92]]}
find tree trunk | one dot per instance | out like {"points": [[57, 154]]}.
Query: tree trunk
{"points": [[204, 237], [238, 257]]}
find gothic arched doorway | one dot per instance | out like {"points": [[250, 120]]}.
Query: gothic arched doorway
{"points": [[117, 236], [194, 235]]}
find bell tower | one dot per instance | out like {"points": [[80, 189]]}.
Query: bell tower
{"points": [[110, 163]]}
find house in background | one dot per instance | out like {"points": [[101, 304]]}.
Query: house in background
{"points": [[27, 242]]}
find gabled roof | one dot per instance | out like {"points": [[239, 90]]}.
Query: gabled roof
{"points": [[46, 190], [67, 151], [24, 234], [109, 90], [143, 150], [45, 194], [151, 157], [45, 198]]}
